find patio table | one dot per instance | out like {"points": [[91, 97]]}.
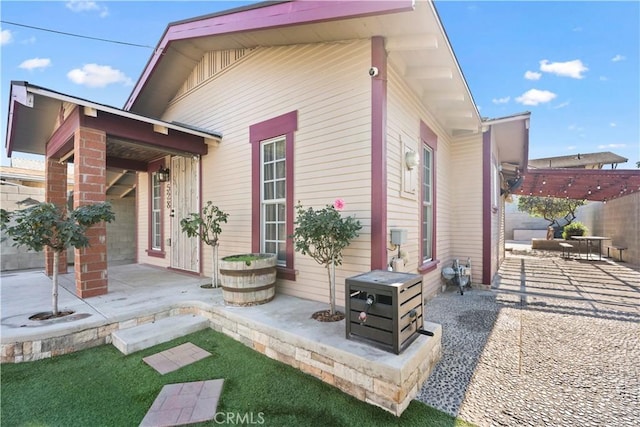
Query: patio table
{"points": [[589, 240]]}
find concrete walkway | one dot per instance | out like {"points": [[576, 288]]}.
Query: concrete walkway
{"points": [[554, 343]]}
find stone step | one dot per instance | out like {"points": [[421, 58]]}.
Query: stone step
{"points": [[147, 335]]}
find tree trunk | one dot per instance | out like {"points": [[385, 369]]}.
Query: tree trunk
{"points": [[54, 285], [215, 275], [331, 270]]}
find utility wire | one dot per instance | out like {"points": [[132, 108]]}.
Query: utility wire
{"points": [[77, 35]]}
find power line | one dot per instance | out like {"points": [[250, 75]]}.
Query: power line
{"points": [[77, 35]]}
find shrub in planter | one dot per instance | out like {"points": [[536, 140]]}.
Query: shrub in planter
{"points": [[576, 228]]}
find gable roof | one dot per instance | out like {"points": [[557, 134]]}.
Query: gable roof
{"points": [[416, 43]]}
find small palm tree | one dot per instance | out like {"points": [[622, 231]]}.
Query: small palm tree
{"points": [[47, 225]]}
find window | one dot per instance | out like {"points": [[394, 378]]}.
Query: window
{"points": [[273, 216], [427, 204], [428, 199], [272, 198], [155, 246], [156, 223]]}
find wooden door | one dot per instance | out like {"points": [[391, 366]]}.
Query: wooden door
{"points": [[185, 198]]}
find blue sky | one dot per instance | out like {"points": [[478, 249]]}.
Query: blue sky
{"points": [[574, 65]]}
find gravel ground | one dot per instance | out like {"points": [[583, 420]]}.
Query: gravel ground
{"points": [[554, 343]]}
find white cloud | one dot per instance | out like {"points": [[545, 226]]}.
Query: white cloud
{"points": [[612, 146], [87, 6], [35, 63], [575, 128], [572, 147], [504, 100], [562, 105], [532, 75], [573, 69], [94, 75], [5, 37], [535, 97], [30, 40], [603, 78], [612, 124], [577, 29], [618, 58]]}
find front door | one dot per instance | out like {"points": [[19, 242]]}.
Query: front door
{"points": [[185, 199]]}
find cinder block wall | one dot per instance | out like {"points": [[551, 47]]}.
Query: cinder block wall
{"points": [[618, 219], [121, 234], [14, 258]]}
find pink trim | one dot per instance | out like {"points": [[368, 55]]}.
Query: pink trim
{"points": [[378, 156], [486, 207], [61, 142], [126, 128], [286, 125], [265, 17]]}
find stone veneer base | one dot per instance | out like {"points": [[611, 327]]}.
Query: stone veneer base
{"points": [[390, 386]]}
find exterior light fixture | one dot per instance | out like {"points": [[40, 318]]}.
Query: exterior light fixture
{"points": [[411, 159], [164, 174]]}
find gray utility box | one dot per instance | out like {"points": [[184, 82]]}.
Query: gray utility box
{"points": [[384, 308]]}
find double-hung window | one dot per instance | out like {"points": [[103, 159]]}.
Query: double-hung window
{"points": [[427, 204], [273, 199], [428, 229]]}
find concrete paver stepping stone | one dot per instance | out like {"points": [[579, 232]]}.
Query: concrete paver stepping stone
{"points": [[176, 357], [184, 403]]}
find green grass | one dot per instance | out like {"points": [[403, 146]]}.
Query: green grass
{"points": [[102, 387]]}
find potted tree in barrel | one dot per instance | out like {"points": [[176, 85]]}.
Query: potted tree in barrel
{"points": [[207, 226]]}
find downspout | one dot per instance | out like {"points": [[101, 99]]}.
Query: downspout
{"points": [[486, 207]]}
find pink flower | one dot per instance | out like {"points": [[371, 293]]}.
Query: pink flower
{"points": [[338, 204]]}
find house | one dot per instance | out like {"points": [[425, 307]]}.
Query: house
{"points": [[261, 107]]}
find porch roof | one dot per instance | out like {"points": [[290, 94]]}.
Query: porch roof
{"points": [[35, 111], [415, 40]]}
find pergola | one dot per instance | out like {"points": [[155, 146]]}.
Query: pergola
{"points": [[584, 184]]}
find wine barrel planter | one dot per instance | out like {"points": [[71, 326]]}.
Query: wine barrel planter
{"points": [[248, 279]]}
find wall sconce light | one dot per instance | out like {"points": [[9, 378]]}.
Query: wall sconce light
{"points": [[411, 159], [164, 174]]}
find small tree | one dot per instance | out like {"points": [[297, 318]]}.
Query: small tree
{"points": [[550, 208], [322, 235], [207, 227], [47, 225]]}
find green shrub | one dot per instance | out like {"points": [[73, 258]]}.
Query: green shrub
{"points": [[576, 228]]}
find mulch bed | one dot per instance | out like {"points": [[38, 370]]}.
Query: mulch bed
{"points": [[325, 316]]}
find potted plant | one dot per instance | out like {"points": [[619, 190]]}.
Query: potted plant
{"points": [[207, 227], [323, 234], [46, 224], [576, 228], [248, 279]]}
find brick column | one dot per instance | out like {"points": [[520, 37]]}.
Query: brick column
{"points": [[90, 176], [55, 191]]}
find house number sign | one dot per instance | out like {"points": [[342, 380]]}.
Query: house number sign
{"points": [[168, 195]]}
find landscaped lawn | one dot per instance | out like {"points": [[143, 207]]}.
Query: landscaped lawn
{"points": [[102, 387]]}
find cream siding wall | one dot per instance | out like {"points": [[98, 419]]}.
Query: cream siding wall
{"points": [[466, 196], [403, 128], [329, 86]]}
